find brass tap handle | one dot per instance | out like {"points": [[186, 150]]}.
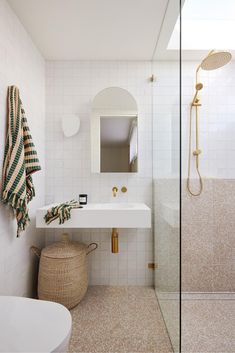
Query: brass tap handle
{"points": [[124, 189], [114, 190]]}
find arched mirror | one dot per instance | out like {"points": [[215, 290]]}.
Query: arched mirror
{"points": [[114, 132]]}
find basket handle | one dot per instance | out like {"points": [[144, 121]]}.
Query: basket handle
{"points": [[92, 249], [36, 251]]}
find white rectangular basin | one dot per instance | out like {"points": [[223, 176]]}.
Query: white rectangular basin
{"points": [[101, 215]]}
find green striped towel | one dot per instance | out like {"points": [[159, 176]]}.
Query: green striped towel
{"points": [[61, 211], [20, 161]]}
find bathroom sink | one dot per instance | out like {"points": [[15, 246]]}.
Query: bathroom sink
{"points": [[102, 215], [113, 206]]}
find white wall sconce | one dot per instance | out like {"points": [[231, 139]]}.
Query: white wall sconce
{"points": [[70, 125]]}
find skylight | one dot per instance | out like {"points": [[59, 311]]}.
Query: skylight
{"points": [[206, 24]]}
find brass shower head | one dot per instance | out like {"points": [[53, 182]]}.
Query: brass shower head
{"points": [[199, 86], [215, 59], [196, 100]]}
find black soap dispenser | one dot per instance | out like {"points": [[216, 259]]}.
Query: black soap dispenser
{"points": [[83, 199]]}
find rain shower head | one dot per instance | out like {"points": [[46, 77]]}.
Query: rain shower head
{"points": [[215, 60]]}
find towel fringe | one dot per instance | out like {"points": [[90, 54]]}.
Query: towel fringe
{"points": [[19, 208]]}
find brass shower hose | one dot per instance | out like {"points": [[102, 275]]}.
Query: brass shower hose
{"points": [[196, 153]]}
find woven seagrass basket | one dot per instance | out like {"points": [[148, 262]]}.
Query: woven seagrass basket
{"points": [[63, 275]]}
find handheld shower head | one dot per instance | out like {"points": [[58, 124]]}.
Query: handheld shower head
{"points": [[215, 60], [199, 86]]}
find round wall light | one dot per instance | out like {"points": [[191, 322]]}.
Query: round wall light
{"points": [[70, 125]]}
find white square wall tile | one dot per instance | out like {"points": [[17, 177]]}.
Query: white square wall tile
{"points": [[71, 88]]}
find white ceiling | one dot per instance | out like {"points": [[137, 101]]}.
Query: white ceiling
{"points": [[93, 29], [116, 29]]}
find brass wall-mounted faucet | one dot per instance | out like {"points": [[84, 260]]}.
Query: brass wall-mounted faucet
{"points": [[114, 190]]}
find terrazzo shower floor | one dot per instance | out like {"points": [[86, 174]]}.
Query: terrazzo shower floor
{"points": [[119, 319], [208, 325]]}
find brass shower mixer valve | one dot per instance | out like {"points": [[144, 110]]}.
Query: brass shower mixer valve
{"points": [[196, 102]]}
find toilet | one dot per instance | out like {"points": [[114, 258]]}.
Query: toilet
{"points": [[30, 325]]}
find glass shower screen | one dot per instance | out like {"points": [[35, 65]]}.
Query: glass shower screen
{"points": [[166, 174]]}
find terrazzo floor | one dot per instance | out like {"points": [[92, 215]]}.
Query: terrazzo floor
{"points": [[208, 326], [119, 319]]}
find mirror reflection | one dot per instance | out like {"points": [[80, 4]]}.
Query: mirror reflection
{"points": [[119, 144], [114, 132]]}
